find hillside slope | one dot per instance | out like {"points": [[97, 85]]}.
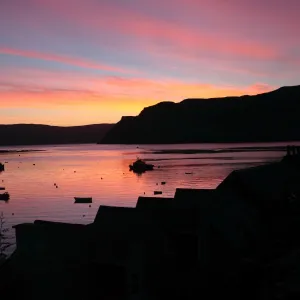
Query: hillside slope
{"points": [[32, 134], [273, 116]]}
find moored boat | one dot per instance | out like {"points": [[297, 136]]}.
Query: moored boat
{"points": [[157, 192], [5, 196], [140, 166], [83, 199]]}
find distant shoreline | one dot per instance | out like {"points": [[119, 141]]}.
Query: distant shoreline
{"points": [[230, 149], [34, 134], [19, 151], [254, 141], [221, 150]]}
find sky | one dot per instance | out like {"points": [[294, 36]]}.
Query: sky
{"points": [[75, 62]]}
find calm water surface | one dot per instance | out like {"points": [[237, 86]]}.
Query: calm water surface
{"points": [[101, 172]]}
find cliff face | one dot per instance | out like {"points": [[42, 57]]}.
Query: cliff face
{"points": [[272, 116], [123, 130], [30, 134]]}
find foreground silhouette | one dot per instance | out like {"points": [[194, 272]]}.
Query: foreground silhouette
{"points": [[239, 241]]}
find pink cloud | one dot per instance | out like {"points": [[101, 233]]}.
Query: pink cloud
{"points": [[156, 33]]}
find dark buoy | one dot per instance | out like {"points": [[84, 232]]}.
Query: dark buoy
{"points": [[90, 205], [13, 214], [34, 164]]}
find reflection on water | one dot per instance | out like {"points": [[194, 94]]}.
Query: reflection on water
{"points": [[101, 172]]}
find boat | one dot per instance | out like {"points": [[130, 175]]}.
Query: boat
{"points": [[139, 166], [83, 199], [2, 188], [4, 196], [157, 192], [2, 168]]}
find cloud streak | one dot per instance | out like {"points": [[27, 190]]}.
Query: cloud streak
{"points": [[78, 62], [110, 89], [156, 33]]}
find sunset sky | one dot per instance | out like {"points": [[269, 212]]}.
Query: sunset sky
{"points": [[73, 62]]}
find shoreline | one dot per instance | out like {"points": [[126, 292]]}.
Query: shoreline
{"points": [[19, 151]]}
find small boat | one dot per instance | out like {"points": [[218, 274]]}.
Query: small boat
{"points": [[157, 192], [2, 168], [4, 196], [2, 188], [83, 199], [139, 166], [163, 182]]}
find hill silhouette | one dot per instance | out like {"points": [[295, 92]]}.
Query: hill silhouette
{"points": [[272, 116], [32, 134]]}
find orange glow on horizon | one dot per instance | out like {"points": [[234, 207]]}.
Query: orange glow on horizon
{"points": [[124, 97]]}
